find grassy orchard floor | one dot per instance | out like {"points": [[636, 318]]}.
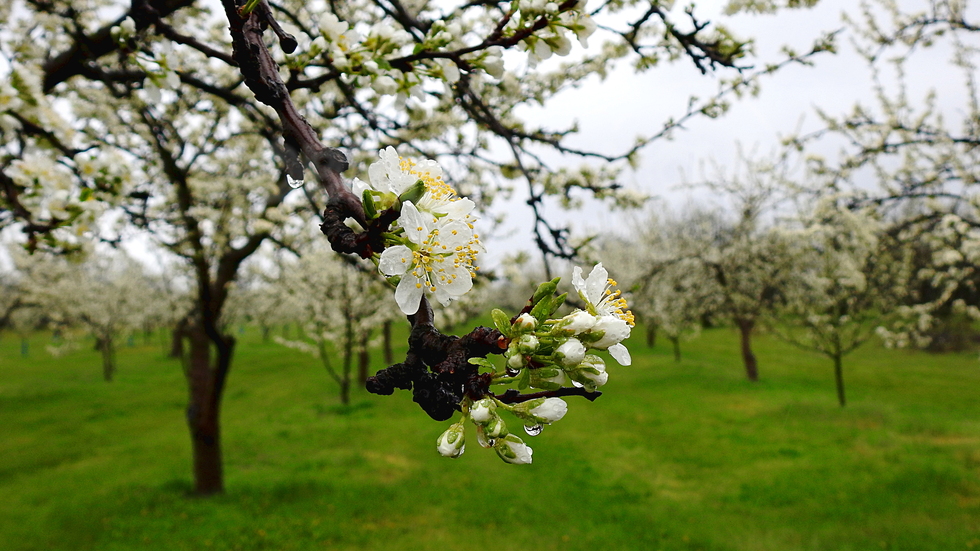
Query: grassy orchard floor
{"points": [[675, 456]]}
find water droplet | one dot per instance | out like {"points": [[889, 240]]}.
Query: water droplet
{"points": [[295, 184], [513, 372], [460, 451], [533, 430], [577, 384]]}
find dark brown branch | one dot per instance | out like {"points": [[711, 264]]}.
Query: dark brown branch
{"points": [[512, 396]]}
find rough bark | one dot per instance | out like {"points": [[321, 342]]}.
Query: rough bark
{"points": [[206, 384]]}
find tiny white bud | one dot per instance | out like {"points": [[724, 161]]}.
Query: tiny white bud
{"points": [[575, 323], [525, 322], [482, 411], [451, 443], [527, 344], [571, 352], [513, 450]]}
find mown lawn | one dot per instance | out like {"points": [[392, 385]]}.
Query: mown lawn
{"points": [[674, 456]]}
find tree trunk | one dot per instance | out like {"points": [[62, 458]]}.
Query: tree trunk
{"points": [[108, 351], [363, 359], [748, 358], [266, 330], [348, 361], [651, 335], [177, 339], [206, 385], [25, 346], [386, 334], [839, 378], [676, 341]]}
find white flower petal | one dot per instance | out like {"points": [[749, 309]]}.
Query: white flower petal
{"points": [[615, 331], [620, 353], [378, 178], [396, 260], [408, 294], [596, 284], [456, 210], [414, 223], [577, 280]]}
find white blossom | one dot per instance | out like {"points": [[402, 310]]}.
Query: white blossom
{"points": [[438, 259]]}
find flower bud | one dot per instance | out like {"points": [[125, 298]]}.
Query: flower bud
{"points": [[527, 344], [547, 378], [496, 428], [513, 450], [516, 361], [575, 323], [451, 443], [590, 374], [482, 411], [525, 322], [541, 410], [570, 353]]}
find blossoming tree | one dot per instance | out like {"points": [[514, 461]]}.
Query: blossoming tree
{"points": [[843, 286], [912, 155], [122, 115]]}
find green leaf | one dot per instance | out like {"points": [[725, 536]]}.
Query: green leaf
{"points": [[413, 193], [545, 289], [370, 209], [502, 322], [482, 362]]}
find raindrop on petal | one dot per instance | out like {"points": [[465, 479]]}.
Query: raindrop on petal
{"points": [[533, 430]]}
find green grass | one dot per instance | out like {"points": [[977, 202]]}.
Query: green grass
{"points": [[675, 456]]}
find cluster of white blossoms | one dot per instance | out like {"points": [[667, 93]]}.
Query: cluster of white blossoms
{"points": [[491, 430], [159, 74], [366, 55], [431, 247], [547, 353]]}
